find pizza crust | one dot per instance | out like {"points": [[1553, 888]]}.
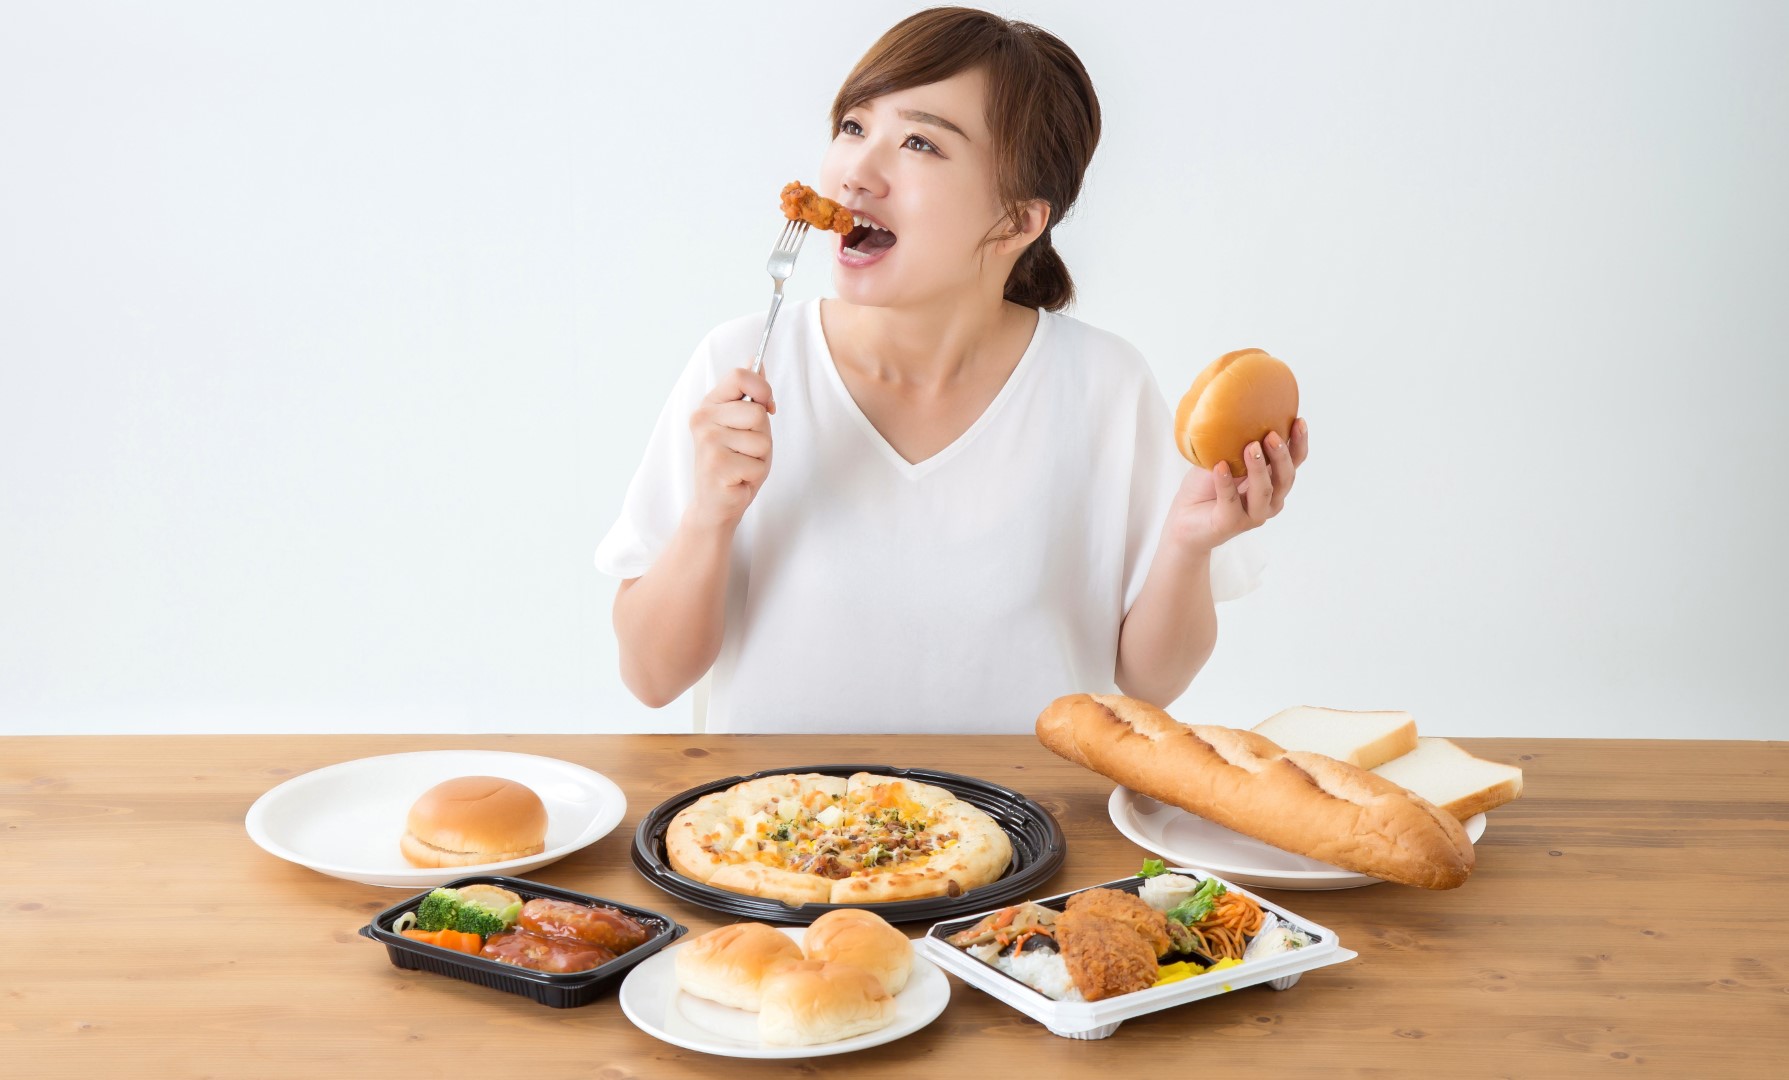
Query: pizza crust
{"points": [[756, 879], [693, 830]]}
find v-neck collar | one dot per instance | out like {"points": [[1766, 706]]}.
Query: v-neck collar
{"points": [[914, 470]]}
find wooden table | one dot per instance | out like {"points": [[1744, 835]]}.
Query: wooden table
{"points": [[1628, 912]]}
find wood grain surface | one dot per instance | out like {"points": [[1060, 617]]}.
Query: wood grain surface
{"points": [[1627, 913]]}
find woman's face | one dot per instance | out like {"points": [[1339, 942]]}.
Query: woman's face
{"points": [[920, 164]]}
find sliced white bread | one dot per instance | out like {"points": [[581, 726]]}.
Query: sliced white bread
{"points": [[1452, 779], [1362, 739]]}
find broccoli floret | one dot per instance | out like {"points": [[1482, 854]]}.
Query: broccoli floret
{"points": [[437, 910], [472, 919], [446, 909]]}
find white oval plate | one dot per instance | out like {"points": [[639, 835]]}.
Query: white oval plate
{"points": [[651, 999], [345, 820], [1185, 839]]}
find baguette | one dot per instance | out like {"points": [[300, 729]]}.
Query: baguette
{"points": [[1304, 803]]}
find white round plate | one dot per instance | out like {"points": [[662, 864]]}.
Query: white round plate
{"points": [[345, 820], [651, 999], [1184, 839]]}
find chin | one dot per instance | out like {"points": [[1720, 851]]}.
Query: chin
{"points": [[888, 291], [853, 290]]}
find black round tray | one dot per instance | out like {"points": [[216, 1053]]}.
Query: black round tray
{"points": [[1038, 849]]}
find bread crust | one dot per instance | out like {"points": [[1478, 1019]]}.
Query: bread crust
{"points": [[814, 1001], [472, 820], [1483, 802], [1236, 400], [1395, 743], [1304, 803], [756, 879], [684, 839], [419, 853], [863, 938], [728, 965]]}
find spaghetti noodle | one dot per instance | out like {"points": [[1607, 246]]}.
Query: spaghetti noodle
{"points": [[1225, 932]]}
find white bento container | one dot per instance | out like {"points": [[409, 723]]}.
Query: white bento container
{"points": [[1099, 1019]]}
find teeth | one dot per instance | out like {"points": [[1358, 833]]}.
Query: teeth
{"points": [[861, 220]]}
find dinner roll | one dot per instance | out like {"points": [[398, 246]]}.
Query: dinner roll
{"points": [[727, 965], [863, 939], [813, 1001]]}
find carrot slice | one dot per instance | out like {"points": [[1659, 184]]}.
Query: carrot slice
{"points": [[448, 939], [466, 943]]}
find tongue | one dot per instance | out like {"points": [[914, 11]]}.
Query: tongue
{"points": [[878, 240]]}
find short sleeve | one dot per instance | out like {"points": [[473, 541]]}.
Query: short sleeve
{"points": [[664, 484], [1156, 474]]}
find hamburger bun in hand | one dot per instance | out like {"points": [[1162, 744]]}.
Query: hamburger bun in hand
{"points": [[1236, 400]]}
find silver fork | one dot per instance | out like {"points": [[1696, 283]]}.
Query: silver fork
{"points": [[781, 265]]}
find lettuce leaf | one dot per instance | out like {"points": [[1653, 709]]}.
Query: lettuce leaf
{"points": [[1198, 905]]}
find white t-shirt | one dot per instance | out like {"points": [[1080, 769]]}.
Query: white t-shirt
{"points": [[960, 594]]}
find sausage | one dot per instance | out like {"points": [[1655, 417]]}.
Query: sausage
{"points": [[602, 926], [559, 955]]}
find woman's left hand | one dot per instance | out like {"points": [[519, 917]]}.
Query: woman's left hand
{"points": [[1212, 506]]}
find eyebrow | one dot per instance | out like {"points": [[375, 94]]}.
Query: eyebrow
{"points": [[936, 121]]}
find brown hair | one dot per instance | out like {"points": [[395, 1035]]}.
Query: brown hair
{"points": [[1041, 110]]}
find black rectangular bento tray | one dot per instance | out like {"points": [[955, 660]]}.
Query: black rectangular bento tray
{"points": [[561, 991], [1037, 840]]}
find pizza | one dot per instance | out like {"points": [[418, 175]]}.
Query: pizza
{"points": [[806, 838]]}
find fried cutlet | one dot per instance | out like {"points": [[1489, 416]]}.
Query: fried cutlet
{"points": [[802, 203], [1126, 908], [1105, 957]]}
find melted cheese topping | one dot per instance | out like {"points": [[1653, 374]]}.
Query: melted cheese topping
{"points": [[872, 831]]}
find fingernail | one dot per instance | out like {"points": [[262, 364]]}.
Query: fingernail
{"points": [[1256, 449], [1274, 442]]}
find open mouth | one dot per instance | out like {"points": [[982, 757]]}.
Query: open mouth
{"points": [[867, 238]]}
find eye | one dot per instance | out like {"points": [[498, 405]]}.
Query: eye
{"points": [[924, 146], [849, 126]]}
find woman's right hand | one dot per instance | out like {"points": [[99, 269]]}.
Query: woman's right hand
{"points": [[732, 438]]}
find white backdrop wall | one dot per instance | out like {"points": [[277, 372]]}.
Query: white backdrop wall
{"points": [[330, 335]]}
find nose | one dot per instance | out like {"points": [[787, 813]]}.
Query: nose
{"points": [[864, 173]]}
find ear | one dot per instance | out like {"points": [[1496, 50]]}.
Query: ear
{"points": [[1034, 218]]}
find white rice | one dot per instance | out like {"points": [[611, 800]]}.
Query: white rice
{"points": [[1040, 969]]}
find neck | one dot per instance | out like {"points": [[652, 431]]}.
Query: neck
{"points": [[931, 345]]}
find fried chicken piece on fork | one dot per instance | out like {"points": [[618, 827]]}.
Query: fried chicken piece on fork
{"points": [[803, 203]]}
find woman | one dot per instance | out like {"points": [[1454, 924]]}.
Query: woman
{"points": [[974, 504]]}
